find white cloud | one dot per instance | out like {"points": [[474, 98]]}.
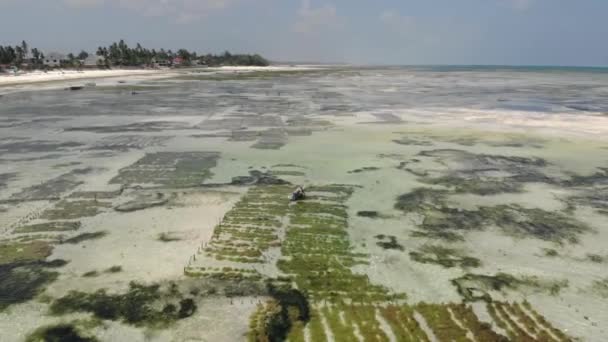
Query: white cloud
{"points": [[315, 20], [181, 10]]}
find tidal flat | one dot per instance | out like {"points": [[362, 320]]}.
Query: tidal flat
{"points": [[432, 212]]}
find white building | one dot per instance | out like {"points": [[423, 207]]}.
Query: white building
{"points": [[54, 59], [93, 61]]}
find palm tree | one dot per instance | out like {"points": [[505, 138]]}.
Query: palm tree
{"points": [[25, 48]]}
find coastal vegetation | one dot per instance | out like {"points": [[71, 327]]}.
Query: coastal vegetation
{"points": [[120, 54]]}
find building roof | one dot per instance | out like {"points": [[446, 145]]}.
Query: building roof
{"points": [[92, 60], [55, 56]]}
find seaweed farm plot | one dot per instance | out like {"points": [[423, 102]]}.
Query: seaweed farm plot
{"points": [[172, 169], [247, 238], [52, 188], [299, 254]]}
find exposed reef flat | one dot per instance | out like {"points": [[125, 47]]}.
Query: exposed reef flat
{"points": [[157, 209]]}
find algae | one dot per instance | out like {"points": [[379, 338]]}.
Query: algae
{"points": [[173, 169], [56, 226], [21, 281], [138, 306], [600, 287], [74, 209], [86, 236], [53, 188], [443, 256], [482, 174], [390, 244], [90, 274], [143, 201], [114, 269], [168, 237], [24, 252], [473, 287], [59, 333], [512, 219], [364, 169], [368, 213]]}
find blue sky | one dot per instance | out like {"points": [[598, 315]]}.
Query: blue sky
{"points": [[514, 32]]}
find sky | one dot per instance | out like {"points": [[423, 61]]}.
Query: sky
{"points": [[395, 32]]}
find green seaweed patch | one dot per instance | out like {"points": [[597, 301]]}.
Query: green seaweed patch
{"points": [[287, 173], [550, 252], [168, 237], [477, 185], [473, 287], [62, 165], [438, 235], [74, 209], [90, 274], [24, 252], [256, 177], [53, 188], [96, 195], [388, 242], [60, 332], [600, 287], [421, 198], [22, 281], [288, 309], [596, 258], [175, 169], [533, 222], [143, 202], [369, 214], [598, 178], [141, 305], [114, 269], [443, 256], [483, 174], [85, 237], [55, 226], [595, 198], [412, 142], [364, 169], [513, 219]]}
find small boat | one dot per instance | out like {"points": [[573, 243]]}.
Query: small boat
{"points": [[75, 88]]}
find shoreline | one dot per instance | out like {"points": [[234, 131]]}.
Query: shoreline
{"points": [[68, 75], [34, 77]]}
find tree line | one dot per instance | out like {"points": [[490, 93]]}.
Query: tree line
{"points": [[20, 54], [120, 54]]}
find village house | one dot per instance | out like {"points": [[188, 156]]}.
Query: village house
{"points": [[54, 59], [93, 61]]}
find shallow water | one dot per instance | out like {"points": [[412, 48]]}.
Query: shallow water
{"points": [[505, 165]]}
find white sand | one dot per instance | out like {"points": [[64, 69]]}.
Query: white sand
{"points": [[65, 75]]}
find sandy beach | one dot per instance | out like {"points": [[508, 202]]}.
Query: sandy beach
{"points": [[67, 75]]}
